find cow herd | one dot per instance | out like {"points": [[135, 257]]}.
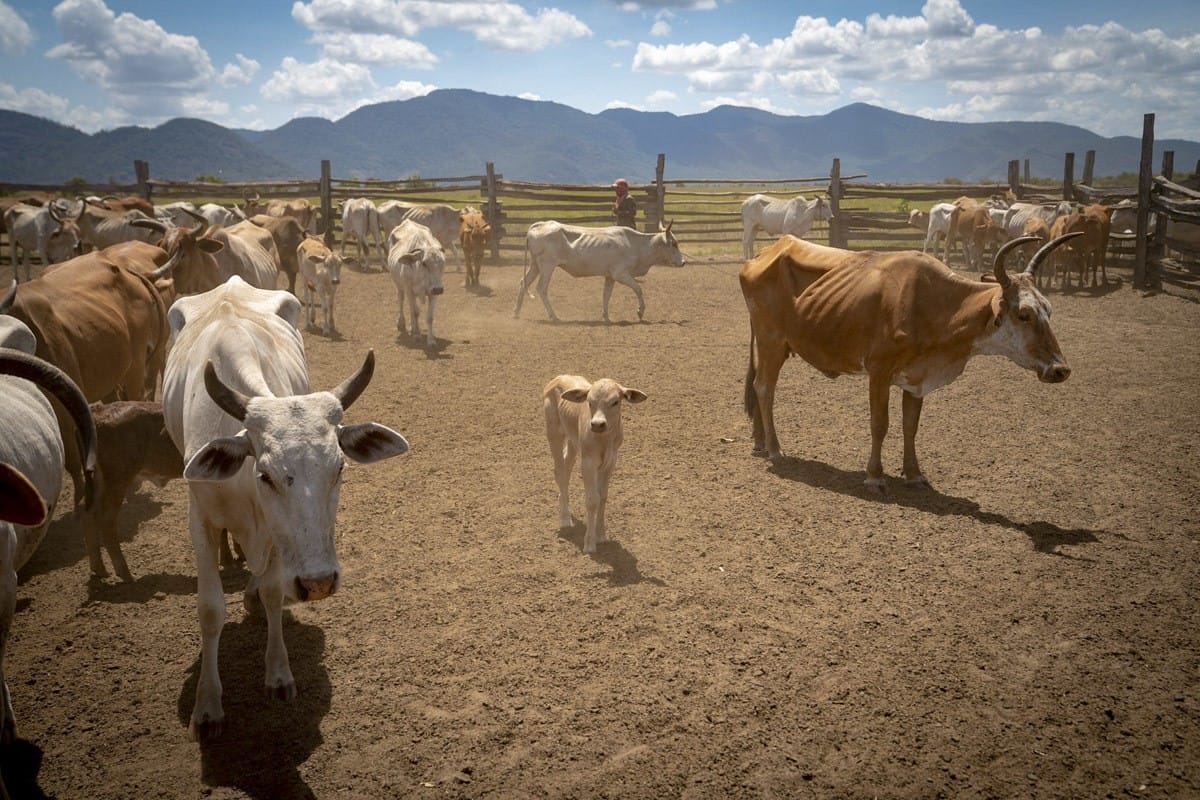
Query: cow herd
{"points": [[192, 306]]}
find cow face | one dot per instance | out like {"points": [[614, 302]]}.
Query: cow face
{"points": [[63, 243], [675, 256], [604, 402], [1023, 331]]}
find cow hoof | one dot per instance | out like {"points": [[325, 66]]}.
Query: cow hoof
{"points": [[205, 729], [919, 482], [284, 691], [876, 486]]}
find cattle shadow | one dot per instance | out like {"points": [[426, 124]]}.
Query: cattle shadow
{"points": [[480, 290], [264, 741], [417, 344], [1046, 537], [319, 330], [599, 323], [623, 569], [1099, 290], [20, 763]]}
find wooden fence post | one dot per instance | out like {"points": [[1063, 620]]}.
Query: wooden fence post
{"points": [[326, 191], [491, 212], [660, 192], [1089, 167], [141, 172], [1145, 181], [1027, 170], [1068, 186], [1014, 178], [837, 231]]}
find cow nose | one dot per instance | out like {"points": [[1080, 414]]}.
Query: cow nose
{"points": [[317, 588], [599, 425], [336, 281], [1056, 373], [436, 290]]}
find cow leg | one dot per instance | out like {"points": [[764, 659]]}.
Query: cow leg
{"points": [[8, 606], [543, 289], [208, 718], [430, 302], [279, 681], [415, 311], [880, 387], [522, 288], [603, 478], [911, 406], [563, 453], [628, 280], [594, 499], [327, 302], [608, 287], [308, 303], [770, 361], [400, 302], [748, 242]]}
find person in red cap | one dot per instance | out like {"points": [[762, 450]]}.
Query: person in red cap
{"points": [[624, 206]]}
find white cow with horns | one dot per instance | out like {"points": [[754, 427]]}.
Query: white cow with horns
{"points": [[777, 217], [264, 457], [621, 255]]}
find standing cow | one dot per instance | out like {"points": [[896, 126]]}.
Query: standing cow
{"points": [[360, 219], [416, 260], [620, 254], [473, 235], [905, 319], [320, 272], [264, 457], [442, 220], [47, 230], [777, 217]]}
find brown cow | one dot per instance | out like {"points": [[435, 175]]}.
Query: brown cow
{"points": [[131, 203], [288, 234], [133, 446], [905, 319], [1098, 235], [101, 319], [975, 226], [299, 209], [473, 236]]}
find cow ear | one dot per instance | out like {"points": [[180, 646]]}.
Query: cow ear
{"points": [[988, 277], [633, 395], [220, 459], [210, 246], [368, 442], [20, 499], [575, 395]]}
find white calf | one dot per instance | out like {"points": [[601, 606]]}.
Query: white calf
{"points": [[321, 272], [416, 260], [584, 419], [940, 217]]}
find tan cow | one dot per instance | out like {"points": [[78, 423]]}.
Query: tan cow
{"points": [[473, 236], [133, 445], [320, 274], [905, 319], [976, 228], [288, 234], [584, 419], [299, 209]]}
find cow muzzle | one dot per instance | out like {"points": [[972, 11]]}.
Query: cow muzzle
{"points": [[335, 281], [317, 588], [599, 425], [1055, 373], [436, 290]]}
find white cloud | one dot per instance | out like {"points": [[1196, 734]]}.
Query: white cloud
{"points": [[323, 80], [615, 43], [503, 26], [404, 90], [15, 33], [375, 48], [660, 28], [240, 73], [529, 96], [623, 104], [661, 98], [36, 102]]}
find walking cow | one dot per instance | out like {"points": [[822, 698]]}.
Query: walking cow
{"points": [[777, 217], [416, 260]]}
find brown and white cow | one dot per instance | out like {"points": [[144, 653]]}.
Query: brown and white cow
{"points": [[320, 274], [584, 419], [474, 234], [133, 445], [299, 209], [288, 234], [905, 319]]}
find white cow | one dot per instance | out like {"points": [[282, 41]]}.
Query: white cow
{"points": [[941, 215], [778, 217], [416, 260], [1017, 214], [320, 272], [360, 219], [584, 419], [264, 457], [47, 230], [31, 466], [215, 214], [620, 254], [101, 227], [445, 221], [247, 251], [180, 214]]}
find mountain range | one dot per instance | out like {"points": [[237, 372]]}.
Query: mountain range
{"points": [[455, 132]]}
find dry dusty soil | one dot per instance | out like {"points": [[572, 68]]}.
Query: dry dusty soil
{"points": [[1028, 628]]}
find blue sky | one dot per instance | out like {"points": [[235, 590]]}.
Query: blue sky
{"points": [[100, 64]]}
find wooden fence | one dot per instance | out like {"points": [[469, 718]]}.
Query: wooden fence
{"points": [[708, 211]]}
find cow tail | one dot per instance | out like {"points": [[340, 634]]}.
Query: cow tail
{"points": [[525, 269], [749, 396]]}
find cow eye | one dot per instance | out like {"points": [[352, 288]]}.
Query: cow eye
{"points": [[266, 480], [1025, 315]]}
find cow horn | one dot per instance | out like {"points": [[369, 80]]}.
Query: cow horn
{"points": [[1041, 254], [196, 215], [52, 210], [352, 387], [58, 383], [152, 224], [998, 262], [231, 401], [168, 267], [9, 298]]}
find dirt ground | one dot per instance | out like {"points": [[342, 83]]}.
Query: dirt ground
{"points": [[1026, 629]]}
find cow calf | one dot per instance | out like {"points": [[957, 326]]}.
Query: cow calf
{"points": [[320, 272], [584, 419]]}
